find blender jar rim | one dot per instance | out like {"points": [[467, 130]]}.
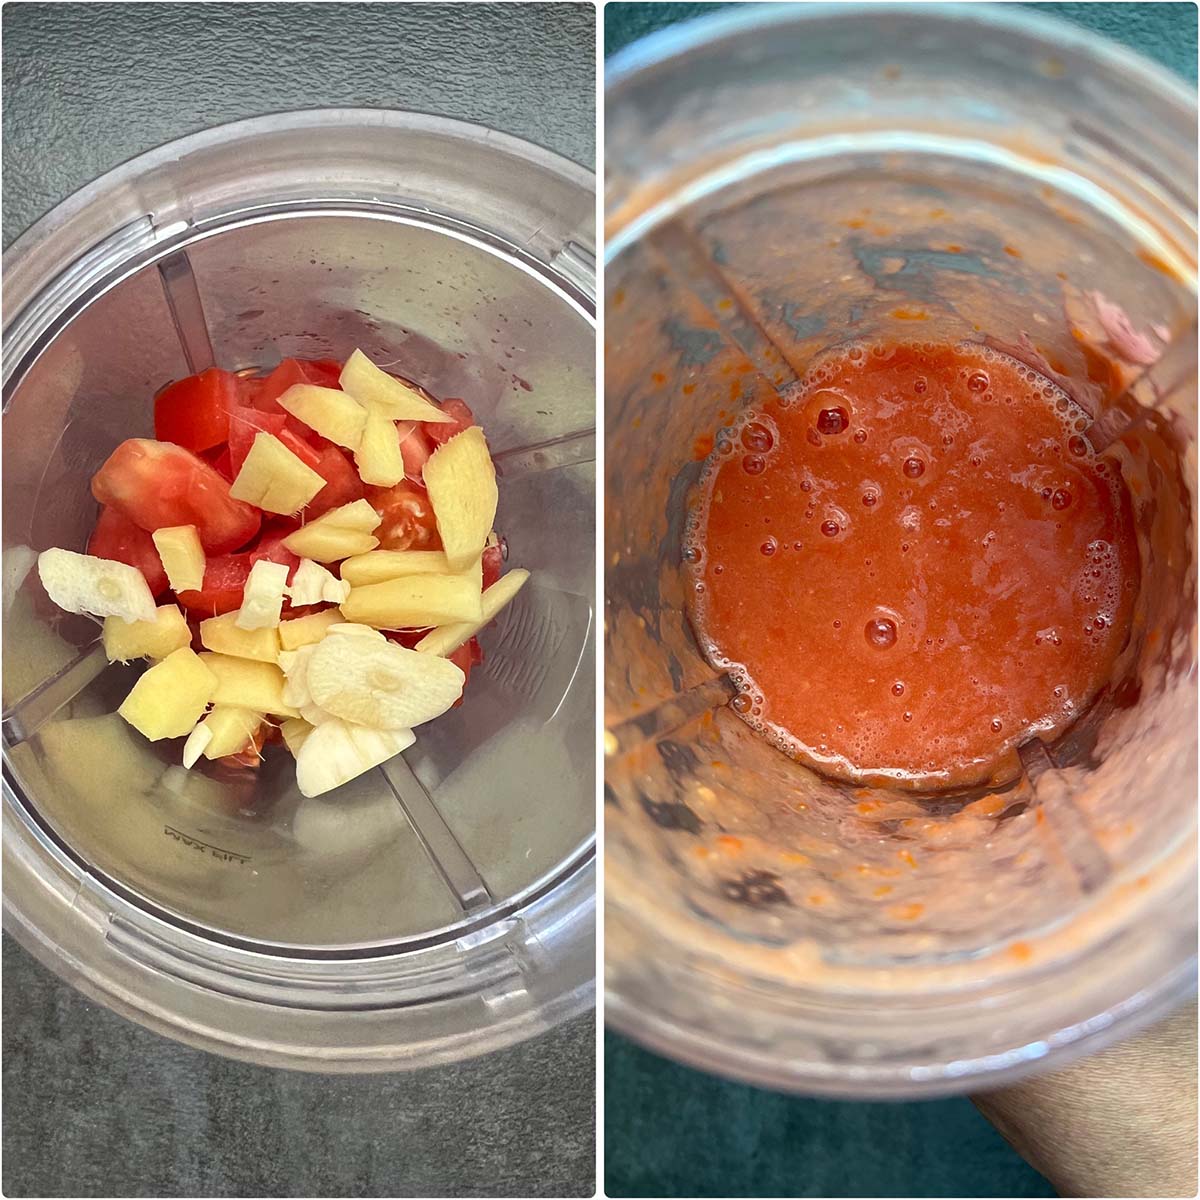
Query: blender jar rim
{"points": [[699, 33]]}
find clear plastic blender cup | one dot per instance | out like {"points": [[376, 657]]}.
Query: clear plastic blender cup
{"points": [[786, 179], [442, 905]]}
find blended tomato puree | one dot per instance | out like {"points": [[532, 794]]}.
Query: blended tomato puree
{"points": [[912, 562]]}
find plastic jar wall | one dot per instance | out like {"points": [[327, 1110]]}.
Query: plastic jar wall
{"points": [[779, 181], [443, 905]]}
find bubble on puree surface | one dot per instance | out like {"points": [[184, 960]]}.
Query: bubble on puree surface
{"points": [[911, 562]]}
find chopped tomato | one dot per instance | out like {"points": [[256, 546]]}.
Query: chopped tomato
{"points": [[408, 638], [325, 372], [218, 458], [251, 754], [407, 516], [156, 484], [322, 372], [225, 575], [118, 538], [343, 485], [442, 431], [246, 423], [194, 412], [493, 563], [468, 655], [414, 447], [224, 581]]}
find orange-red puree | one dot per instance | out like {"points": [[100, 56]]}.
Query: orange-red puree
{"points": [[912, 562]]}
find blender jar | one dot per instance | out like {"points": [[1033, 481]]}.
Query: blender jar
{"points": [[442, 905], [781, 181]]}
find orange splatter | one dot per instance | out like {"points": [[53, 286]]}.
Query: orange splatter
{"points": [[659, 377], [730, 844], [1012, 252], [1040, 816], [816, 899], [855, 223], [1021, 951], [688, 388], [618, 297], [1152, 260], [725, 305], [989, 806], [909, 314], [868, 806], [636, 422], [883, 889], [799, 860], [906, 912], [906, 857], [702, 446], [1100, 368]]}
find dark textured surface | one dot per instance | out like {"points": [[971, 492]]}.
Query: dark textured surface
{"points": [[94, 1105], [88, 86], [671, 1131], [97, 1106], [1165, 33]]}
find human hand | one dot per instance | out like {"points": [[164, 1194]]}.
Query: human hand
{"points": [[1118, 1123]]}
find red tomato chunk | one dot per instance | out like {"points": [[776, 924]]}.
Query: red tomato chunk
{"points": [[194, 412], [116, 537], [157, 484], [225, 575]]}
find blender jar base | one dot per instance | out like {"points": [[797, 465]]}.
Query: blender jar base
{"points": [[443, 905]]}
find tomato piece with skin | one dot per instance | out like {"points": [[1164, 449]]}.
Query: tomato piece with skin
{"points": [[325, 372], [468, 655], [343, 486], [194, 412], [118, 538], [225, 575], [156, 484], [440, 432], [218, 458], [493, 564], [408, 638], [321, 372], [415, 448], [406, 517], [245, 424]]}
